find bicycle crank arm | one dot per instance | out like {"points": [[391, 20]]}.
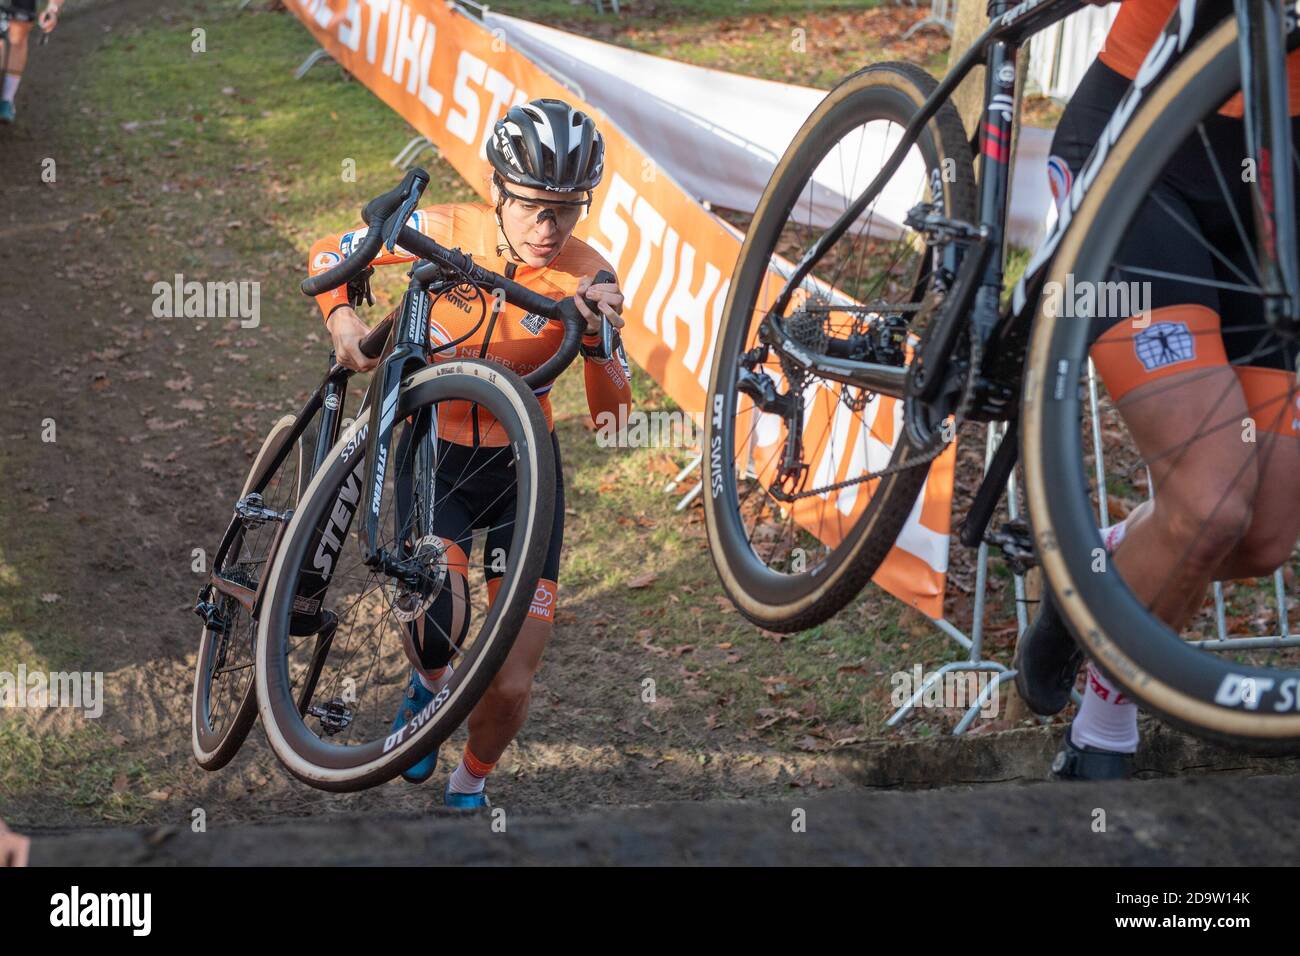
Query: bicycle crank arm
{"points": [[324, 641], [977, 519], [931, 362]]}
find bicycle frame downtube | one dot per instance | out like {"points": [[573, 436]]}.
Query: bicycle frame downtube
{"points": [[1260, 39]]}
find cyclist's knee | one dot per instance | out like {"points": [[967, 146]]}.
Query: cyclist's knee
{"points": [[1204, 522], [1262, 551], [512, 686], [510, 689]]}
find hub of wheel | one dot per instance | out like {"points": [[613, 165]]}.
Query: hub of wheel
{"points": [[421, 577]]}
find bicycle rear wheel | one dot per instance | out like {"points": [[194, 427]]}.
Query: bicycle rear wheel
{"points": [[795, 538], [1242, 694], [327, 698], [224, 704]]}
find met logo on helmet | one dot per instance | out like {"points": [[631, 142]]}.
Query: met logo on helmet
{"points": [[507, 148]]}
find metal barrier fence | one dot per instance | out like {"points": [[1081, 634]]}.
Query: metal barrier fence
{"points": [[975, 662]]}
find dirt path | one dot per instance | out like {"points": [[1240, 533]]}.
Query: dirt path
{"points": [[152, 436], [1156, 823]]}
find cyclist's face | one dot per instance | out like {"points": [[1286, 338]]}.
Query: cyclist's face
{"points": [[537, 230]]}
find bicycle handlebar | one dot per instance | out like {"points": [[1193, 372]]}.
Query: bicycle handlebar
{"points": [[381, 207], [439, 259]]}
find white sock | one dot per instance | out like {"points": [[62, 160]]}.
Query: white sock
{"points": [[11, 86], [438, 681], [463, 781], [1113, 535], [1106, 718]]}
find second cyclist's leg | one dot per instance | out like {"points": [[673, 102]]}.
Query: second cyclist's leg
{"points": [[1184, 418], [1047, 659], [1188, 429], [1273, 402]]}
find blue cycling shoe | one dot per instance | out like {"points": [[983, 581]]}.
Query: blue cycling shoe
{"points": [[465, 801], [417, 695], [7, 113]]}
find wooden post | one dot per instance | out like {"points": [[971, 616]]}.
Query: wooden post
{"points": [[971, 20]]}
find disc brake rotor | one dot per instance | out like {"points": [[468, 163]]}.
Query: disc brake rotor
{"points": [[429, 559]]}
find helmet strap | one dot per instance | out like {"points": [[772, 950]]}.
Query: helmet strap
{"points": [[501, 200]]}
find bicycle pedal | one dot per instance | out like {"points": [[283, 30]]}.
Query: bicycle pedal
{"points": [[210, 613], [1016, 542], [939, 228], [252, 511], [335, 716]]}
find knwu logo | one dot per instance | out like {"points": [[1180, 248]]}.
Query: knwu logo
{"points": [[543, 604]]}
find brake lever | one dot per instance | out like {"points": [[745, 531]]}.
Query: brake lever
{"points": [[610, 340], [609, 337], [393, 228]]}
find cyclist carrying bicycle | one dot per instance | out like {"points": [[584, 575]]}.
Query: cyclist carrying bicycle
{"points": [[546, 159], [24, 12], [1184, 377]]}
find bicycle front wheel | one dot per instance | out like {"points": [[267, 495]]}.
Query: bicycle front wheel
{"points": [[337, 639], [1246, 693]]}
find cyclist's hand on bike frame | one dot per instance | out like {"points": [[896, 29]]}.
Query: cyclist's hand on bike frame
{"points": [[49, 17], [607, 296], [347, 330]]}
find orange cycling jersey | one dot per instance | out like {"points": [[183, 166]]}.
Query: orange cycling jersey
{"points": [[518, 340], [1140, 22]]}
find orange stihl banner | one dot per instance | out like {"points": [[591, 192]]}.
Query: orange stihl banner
{"points": [[451, 79]]}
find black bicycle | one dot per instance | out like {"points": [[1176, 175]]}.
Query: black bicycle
{"points": [[308, 619], [867, 321]]}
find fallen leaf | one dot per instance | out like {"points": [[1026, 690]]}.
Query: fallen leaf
{"points": [[643, 580]]}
